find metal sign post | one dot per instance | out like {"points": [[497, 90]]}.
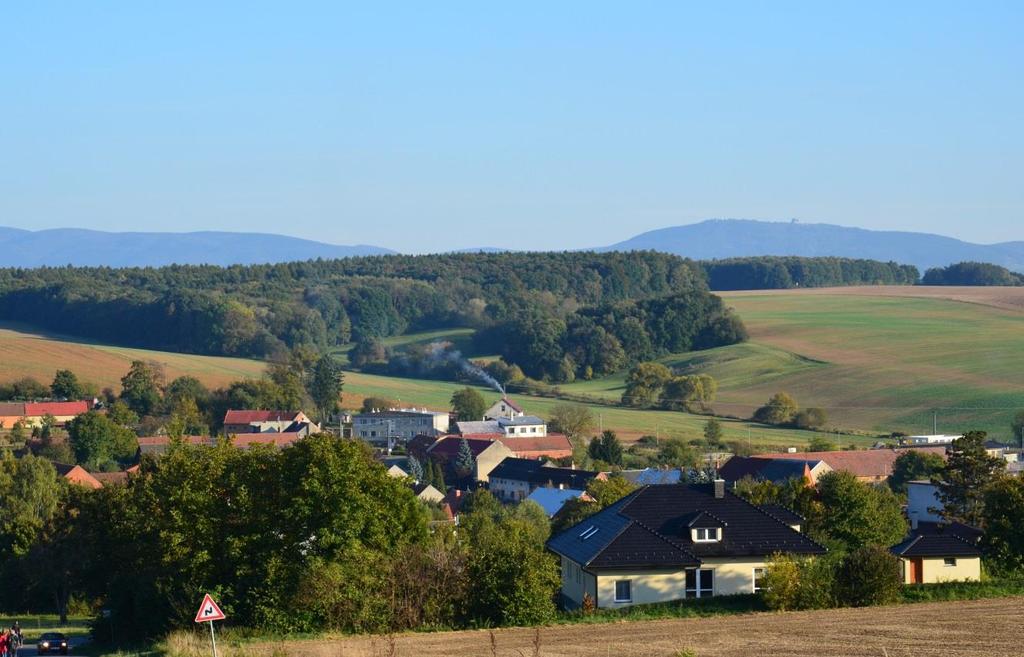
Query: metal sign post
{"points": [[209, 612]]}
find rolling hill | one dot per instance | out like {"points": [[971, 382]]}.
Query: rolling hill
{"points": [[80, 247], [733, 238]]}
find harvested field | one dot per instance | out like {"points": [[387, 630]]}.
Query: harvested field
{"points": [[28, 352], [1007, 298], [982, 628]]}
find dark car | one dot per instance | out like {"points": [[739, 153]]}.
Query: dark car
{"points": [[52, 642]]}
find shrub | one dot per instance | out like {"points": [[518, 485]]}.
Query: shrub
{"points": [[793, 583], [869, 575]]}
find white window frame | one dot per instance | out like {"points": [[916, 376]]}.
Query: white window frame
{"points": [[764, 571], [708, 537], [696, 582], [629, 584]]}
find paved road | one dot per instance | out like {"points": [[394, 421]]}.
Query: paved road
{"points": [[30, 650]]}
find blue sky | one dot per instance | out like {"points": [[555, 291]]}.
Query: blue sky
{"points": [[424, 126]]}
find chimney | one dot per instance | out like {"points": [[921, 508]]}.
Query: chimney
{"points": [[913, 520], [719, 488]]}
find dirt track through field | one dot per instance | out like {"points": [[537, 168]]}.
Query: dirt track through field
{"points": [[976, 628]]}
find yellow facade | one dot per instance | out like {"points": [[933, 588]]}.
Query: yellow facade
{"points": [[935, 570], [731, 576]]}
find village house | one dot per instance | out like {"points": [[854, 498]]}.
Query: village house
{"points": [[487, 454], [552, 500], [868, 465], [77, 475], [664, 543], [776, 470], [388, 427], [939, 552], [503, 408], [514, 479], [31, 414], [158, 445], [521, 426], [248, 421]]}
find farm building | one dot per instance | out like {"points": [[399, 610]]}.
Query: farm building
{"points": [[669, 542]]}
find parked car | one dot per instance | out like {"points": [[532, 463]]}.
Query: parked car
{"points": [[52, 642]]}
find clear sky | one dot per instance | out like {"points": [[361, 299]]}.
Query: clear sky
{"points": [[431, 125]]}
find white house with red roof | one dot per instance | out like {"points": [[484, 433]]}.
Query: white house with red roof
{"points": [[503, 408]]}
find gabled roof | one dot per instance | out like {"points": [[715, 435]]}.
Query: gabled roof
{"points": [[767, 468], [448, 446], [539, 445], [511, 404], [935, 545], [76, 474], [12, 409], [783, 514], [248, 416], [651, 528], [553, 499], [535, 472], [859, 462], [479, 427], [63, 408], [653, 476]]}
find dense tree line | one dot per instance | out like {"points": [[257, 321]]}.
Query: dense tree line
{"points": [[972, 273], [603, 339], [255, 310], [783, 272], [313, 537]]}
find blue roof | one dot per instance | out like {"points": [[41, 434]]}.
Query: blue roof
{"points": [[654, 476], [552, 499]]}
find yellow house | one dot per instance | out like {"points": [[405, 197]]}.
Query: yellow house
{"points": [[670, 542], [936, 552]]}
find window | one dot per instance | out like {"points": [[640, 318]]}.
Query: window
{"points": [[623, 591], [949, 563], [700, 583], [759, 579], [705, 534]]}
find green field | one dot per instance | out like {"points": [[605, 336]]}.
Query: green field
{"points": [[877, 359], [628, 423], [875, 362]]}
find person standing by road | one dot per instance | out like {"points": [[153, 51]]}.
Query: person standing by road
{"points": [[5, 643]]}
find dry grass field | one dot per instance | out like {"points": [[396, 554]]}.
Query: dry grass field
{"points": [[982, 628], [27, 352], [1007, 298]]}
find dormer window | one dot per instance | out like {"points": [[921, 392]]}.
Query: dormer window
{"points": [[707, 534]]}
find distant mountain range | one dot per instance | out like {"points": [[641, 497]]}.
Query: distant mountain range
{"points": [[707, 240], [74, 246], [732, 238]]}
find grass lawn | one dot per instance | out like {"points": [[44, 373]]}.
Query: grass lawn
{"points": [[32, 625]]}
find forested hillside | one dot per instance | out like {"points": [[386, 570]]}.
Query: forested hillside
{"points": [[784, 272], [261, 309]]}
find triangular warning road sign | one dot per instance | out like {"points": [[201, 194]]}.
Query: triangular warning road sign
{"points": [[209, 611]]}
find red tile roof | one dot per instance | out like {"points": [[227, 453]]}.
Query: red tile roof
{"points": [[247, 417], [76, 474], [554, 445], [875, 463], [64, 408]]}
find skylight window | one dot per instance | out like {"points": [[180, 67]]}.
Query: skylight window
{"points": [[588, 532]]}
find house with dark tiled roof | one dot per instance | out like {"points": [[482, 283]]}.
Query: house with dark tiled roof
{"points": [[939, 552], [514, 479], [670, 542], [776, 470]]}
